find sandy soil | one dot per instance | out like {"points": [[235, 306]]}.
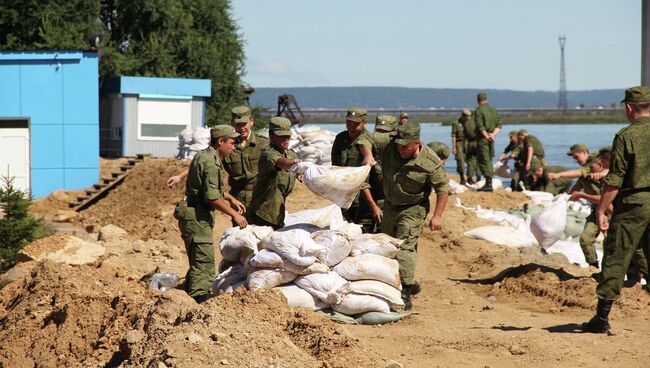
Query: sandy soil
{"points": [[482, 305]]}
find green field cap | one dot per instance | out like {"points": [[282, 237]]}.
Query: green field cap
{"points": [[403, 115], [357, 114], [219, 131], [280, 126], [441, 149], [407, 133], [240, 114], [386, 123], [535, 164], [482, 96], [522, 131], [512, 133], [467, 112], [637, 94], [578, 147]]}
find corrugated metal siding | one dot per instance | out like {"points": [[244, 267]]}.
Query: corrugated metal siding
{"points": [[133, 146], [110, 125]]}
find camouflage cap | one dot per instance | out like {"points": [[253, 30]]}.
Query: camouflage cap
{"points": [[219, 131], [637, 94], [535, 163], [522, 131], [386, 123], [512, 133], [467, 112], [240, 114], [407, 133], [403, 115], [441, 149], [578, 147], [357, 114], [592, 157], [481, 96], [280, 126]]}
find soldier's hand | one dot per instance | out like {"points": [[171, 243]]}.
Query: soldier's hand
{"points": [[238, 206], [602, 221], [369, 161], [575, 196], [454, 151], [527, 167], [377, 214], [596, 176], [435, 223], [240, 221], [553, 176], [173, 181]]}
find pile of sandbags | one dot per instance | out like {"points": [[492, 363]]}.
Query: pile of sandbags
{"points": [[338, 184], [502, 169], [317, 269], [191, 141], [313, 144]]}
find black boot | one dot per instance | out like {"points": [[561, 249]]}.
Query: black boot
{"points": [[406, 298], [412, 289], [462, 178], [488, 185], [600, 322]]}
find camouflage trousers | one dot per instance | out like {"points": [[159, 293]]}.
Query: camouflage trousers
{"points": [[484, 156], [460, 157], [470, 158], [405, 223], [628, 232]]}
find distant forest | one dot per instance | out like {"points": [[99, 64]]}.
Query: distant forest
{"points": [[400, 97]]}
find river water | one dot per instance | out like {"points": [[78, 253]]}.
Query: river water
{"points": [[556, 138]]}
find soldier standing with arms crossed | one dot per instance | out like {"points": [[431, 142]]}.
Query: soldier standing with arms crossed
{"points": [[488, 124], [410, 171], [204, 192], [627, 187]]}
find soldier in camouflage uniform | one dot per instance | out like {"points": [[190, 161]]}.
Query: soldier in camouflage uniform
{"points": [[537, 178], [488, 125], [205, 192], [411, 170], [531, 147], [458, 142], [385, 128], [512, 151], [403, 118], [347, 151], [471, 147], [442, 150], [274, 182], [627, 188]]}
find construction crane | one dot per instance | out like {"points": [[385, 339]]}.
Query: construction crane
{"points": [[288, 107]]}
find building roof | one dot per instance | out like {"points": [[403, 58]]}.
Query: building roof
{"points": [[157, 86]]}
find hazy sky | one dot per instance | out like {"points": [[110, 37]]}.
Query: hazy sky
{"points": [[504, 44]]}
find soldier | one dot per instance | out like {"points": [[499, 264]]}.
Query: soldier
{"points": [[531, 147], [274, 182], [512, 151], [403, 118], [627, 187], [410, 171], [441, 149], [471, 146], [205, 192], [385, 128], [242, 164], [458, 142], [348, 150], [488, 125], [537, 178], [580, 153]]}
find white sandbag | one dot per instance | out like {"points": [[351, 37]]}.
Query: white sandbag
{"points": [[380, 244], [502, 169], [201, 135], [322, 217], [267, 278], [356, 303], [349, 229], [336, 243], [338, 184], [548, 225], [295, 245], [229, 280], [236, 243], [457, 188], [536, 197], [297, 297], [186, 136], [496, 184], [378, 289], [515, 237], [316, 267], [328, 287], [266, 258], [370, 267]]}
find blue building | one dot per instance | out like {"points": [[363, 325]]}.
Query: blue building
{"points": [[49, 120], [146, 115]]}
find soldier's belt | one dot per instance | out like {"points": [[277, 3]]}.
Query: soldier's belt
{"points": [[239, 187], [402, 207]]}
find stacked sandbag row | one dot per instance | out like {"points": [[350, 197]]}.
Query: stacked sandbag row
{"points": [[313, 144], [315, 268]]}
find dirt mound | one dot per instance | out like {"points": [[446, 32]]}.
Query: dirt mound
{"points": [[111, 321], [142, 205]]}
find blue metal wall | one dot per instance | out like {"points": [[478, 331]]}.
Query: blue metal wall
{"points": [[59, 92]]}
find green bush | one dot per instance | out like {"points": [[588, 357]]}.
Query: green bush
{"points": [[17, 226]]}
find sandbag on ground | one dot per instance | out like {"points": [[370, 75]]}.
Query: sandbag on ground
{"points": [[295, 245], [338, 184], [359, 303], [516, 237], [328, 287], [548, 225], [380, 244], [322, 217], [378, 289], [336, 243], [369, 318], [370, 267], [229, 280], [237, 244], [265, 278], [297, 297]]}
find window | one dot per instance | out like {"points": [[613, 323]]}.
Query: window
{"points": [[162, 119]]}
